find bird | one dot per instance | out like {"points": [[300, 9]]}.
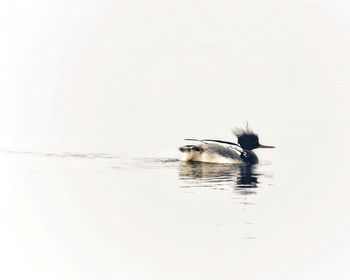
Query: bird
{"points": [[219, 151]]}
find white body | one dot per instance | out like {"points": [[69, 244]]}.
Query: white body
{"points": [[213, 153]]}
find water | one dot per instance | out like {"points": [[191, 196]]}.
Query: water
{"points": [[95, 104], [96, 215]]}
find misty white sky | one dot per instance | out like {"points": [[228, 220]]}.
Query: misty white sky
{"points": [[100, 76]]}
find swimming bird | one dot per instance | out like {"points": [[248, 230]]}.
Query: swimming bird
{"points": [[218, 151]]}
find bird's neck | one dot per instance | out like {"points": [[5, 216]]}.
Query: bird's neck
{"points": [[249, 157]]}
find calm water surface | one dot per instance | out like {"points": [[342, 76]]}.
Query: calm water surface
{"points": [[100, 215]]}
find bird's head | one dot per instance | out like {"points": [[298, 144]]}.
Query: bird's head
{"points": [[248, 139]]}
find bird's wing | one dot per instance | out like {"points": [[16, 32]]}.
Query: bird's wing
{"points": [[226, 147], [212, 140]]}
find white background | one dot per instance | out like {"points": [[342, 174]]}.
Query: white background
{"points": [[134, 78]]}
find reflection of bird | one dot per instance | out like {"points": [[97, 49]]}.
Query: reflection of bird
{"points": [[208, 171], [217, 151], [201, 173], [247, 177]]}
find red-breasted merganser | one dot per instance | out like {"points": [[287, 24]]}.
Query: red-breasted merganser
{"points": [[217, 151]]}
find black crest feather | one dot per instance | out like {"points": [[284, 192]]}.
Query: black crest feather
{"points": [[240, 131]]}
